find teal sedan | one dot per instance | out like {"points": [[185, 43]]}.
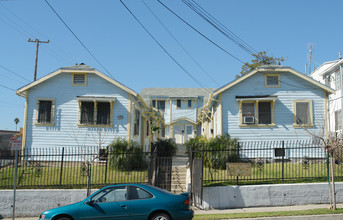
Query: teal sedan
{"points": [[126, 201]]}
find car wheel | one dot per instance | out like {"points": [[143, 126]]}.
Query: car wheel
{"points": [[160, 216], [63, 218]]}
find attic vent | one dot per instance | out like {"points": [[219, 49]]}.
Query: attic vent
{"points": [[79, 79]]}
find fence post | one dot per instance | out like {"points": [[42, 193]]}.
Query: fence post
{"points": [[283, 160], [106, 164], [61, 172], [15, 182], [89, 172]]}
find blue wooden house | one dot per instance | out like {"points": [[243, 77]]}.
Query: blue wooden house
{"points": [[180, 108], [80, 106], [266, 104]]}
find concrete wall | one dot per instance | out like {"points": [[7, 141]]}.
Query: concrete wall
{"points": [[225, 197], [32, 202]]}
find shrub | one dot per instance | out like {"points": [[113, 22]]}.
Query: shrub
{"points": [[165, 148], [126, 156], [218, 151]]}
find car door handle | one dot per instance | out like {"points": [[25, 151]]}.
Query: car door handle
{"points": [[124, 206]]}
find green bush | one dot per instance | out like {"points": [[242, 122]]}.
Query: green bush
{"points": [[165, 148], [216, 152], [126, 156], [225, 150]]}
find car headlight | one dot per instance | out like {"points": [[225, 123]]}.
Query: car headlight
{"points": [[42, 216]]}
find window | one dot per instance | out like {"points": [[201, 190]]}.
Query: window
{"points": [[302, 113], [87, 112], [327, 80], [189, 103], [338, 120], [79, 79], [96, 113], [272, 80], [136, 122], [257, 113], [103, 113], [338, 80], [264, 113], [159, 104], [248, 112], [178, 103], [45, 111], [114, 194], [138, 193]]}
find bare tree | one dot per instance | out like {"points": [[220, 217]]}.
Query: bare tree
{"points": [[333, 146]]}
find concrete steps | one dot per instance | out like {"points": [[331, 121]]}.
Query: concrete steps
{"points": [[178, 183]]}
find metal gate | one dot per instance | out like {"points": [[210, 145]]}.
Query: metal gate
{"points": [[160, 171], [196, 165]]}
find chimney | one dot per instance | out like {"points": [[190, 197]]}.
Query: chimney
{"points": [[340, 55]]}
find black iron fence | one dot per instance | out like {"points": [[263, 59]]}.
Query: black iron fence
{"points": [[265, 162], [78, 167]]}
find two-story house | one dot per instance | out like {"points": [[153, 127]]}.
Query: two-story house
{"points": [[330, 74], [180, 108]]}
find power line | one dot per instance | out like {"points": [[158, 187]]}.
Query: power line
{"points": [[14, 73], [200, 33], [7, 87], [84, 46], [184, 49], [219, 26], [26, 33], [190, 75]]}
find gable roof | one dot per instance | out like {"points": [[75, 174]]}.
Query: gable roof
{"points": [[326, 67], [82, 68], [276, 69], [175, 93]]}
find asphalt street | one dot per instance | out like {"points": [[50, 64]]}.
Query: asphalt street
{"points": [[260, 209]]}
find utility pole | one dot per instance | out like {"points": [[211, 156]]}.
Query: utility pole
{"points": [[37, 41]]}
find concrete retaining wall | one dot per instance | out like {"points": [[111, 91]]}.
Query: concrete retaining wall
{"points": [[33, 202], [225, 197]]}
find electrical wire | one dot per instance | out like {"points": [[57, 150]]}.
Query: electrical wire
{"points": [[204, 36], [20, 29], [183, 48], [77, 38], [219, 26], [189, 74], [7, 87], [14, 73]]}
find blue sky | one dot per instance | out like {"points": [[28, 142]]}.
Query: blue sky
{"points": [[131, 56]]}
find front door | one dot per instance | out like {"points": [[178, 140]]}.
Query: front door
{"points": [[189, 132], [177, 133]]}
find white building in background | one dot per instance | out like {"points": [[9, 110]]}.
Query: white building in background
{"points": [[330, 74]]}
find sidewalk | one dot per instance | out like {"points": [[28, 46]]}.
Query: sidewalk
{"points": [[265, 209], [245, 210]]}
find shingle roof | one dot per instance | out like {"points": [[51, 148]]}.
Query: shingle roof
{"points": [[172, 93]]}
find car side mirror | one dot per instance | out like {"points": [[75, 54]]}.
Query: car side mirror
{"points": [[89, 202]]}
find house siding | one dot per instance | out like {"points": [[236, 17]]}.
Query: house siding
{"points": [[65, 131], [292, 88]]}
